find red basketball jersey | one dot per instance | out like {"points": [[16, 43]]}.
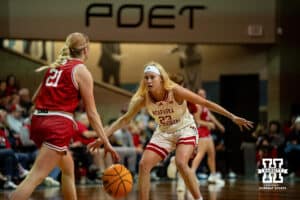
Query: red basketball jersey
{"points": [[204, 114], [59, 90], [203, 131]]}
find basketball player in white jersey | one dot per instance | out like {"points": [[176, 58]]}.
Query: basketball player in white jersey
{"points": [[166, 102]]}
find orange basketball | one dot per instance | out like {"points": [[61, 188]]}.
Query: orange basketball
{"points": [[117, 180]]}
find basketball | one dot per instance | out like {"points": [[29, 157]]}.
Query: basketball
{"points": [[117, 180]]}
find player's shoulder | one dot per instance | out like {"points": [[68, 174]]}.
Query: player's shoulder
{"points": [[178, 93], [176, 89], [81, 68]]}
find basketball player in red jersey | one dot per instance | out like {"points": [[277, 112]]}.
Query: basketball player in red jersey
{"points": [[53, 125], [206, 122], [166, 103]]}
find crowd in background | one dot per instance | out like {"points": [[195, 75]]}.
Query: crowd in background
{"points": [[17, 151]]}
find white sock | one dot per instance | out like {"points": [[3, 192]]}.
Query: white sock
{"points": [[201, 198]]}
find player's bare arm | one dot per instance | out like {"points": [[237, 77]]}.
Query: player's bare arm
{"points": [[133, 108], [186, 94]]}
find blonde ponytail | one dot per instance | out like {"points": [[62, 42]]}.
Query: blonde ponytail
{"points": [[63, 56], [74, 45]]}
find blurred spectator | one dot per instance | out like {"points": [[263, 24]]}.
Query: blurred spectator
{"points": [[258, 132], [27, 46], [2, 88], [292, 149], [276, 138], [5, 102], [142, 118], [125, 147], [190, 61], [11, 85], [8, 160], [25, 101], [135, 128], [264, 150], [14, 120], [220, 151], [149, 131], [83, 159], [44, 53], [110, 62], [269, 144]]}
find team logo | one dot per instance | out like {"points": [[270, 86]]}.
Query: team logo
{"points": [[160, 103], [272, 170]]}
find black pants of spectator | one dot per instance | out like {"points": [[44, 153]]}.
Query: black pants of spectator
{"points": [[293, 158], [113, 72], [221, 162], [8, 162], [82, 161]]}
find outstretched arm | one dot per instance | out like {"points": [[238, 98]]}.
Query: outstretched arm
{"points": [[86, 85], [86, 88], [185, 94], [134, 107]]}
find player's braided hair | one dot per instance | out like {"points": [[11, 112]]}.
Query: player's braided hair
{"points": [[73, 47]]}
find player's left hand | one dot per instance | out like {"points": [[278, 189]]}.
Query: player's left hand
{"points": [[242, 123]]}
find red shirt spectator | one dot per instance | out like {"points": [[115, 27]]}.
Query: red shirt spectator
{"points": [[4, 142], [79, 135]]}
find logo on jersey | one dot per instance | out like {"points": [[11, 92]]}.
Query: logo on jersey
{"points": [[163, 111], [160, 103]]}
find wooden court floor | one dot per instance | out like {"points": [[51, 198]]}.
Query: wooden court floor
{"points": [[166, 190]]}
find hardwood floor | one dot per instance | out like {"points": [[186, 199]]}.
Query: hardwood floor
{"points": [[166, 190]]}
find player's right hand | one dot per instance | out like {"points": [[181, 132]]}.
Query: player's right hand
{"points": [[108, 148]]}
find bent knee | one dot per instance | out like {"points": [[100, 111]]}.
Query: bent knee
{"points": [[181, 164], [144, 167]]}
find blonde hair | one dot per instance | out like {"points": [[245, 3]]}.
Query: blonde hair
{"points": [[75, 43], [168, 84]]}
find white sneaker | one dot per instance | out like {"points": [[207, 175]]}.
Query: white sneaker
{"points": [[180, 184], [211, 178], [220, 182], [180, 195], [202, 176], [214, 179], [153, 176], [49, 181], [218, 175], [231, 175], [292, 175], [172, 169], [9, 185], [215, 188]]}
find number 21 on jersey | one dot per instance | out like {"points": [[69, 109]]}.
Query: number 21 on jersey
{"points": [[53, 78]]}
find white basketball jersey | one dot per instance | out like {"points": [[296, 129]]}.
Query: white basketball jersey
{"points": [[168, 114]]}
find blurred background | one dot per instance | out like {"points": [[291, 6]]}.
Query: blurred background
{"points": [[243, 53]]}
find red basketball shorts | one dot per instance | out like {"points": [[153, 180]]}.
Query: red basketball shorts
{"points": [[53, 131]]}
